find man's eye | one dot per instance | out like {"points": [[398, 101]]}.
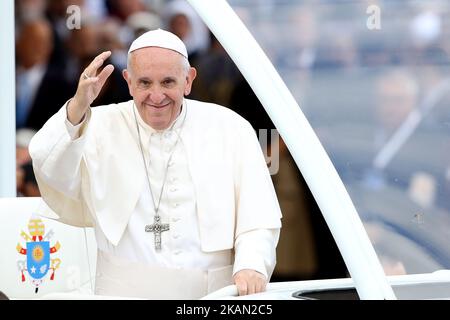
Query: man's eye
{"points": [[142, 83], [168, 82]]}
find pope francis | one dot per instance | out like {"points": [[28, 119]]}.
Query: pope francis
{"points": [[177, 190]]}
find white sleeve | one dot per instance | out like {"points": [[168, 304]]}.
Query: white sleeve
{"points": [[256, 250], [75, 131], [57, 151]]}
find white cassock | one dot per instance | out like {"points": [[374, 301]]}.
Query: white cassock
{"points": [[218, 197]]}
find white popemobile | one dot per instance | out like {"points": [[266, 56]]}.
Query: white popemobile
{"points": [[357, 208]]}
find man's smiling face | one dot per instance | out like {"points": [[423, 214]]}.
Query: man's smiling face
{"points": [[158, 80]]}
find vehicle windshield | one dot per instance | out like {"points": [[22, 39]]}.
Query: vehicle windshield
{"points": [[373, 79]]}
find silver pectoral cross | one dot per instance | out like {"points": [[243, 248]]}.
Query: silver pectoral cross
{"points": [[157, 227]]}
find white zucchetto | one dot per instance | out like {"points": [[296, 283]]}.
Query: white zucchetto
{"points": [[159, 38]]}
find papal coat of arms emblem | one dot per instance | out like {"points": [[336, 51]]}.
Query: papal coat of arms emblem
{"points": [[37, 252]]}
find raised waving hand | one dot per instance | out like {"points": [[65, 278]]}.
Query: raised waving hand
{"points": [[89, 85]]}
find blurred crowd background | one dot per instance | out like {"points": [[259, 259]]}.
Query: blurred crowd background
{"points": [[356, 84]]}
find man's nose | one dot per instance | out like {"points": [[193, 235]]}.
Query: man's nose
{"points": [[156, 96]]}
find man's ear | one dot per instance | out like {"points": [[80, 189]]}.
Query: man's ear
{"points": [[126, 75], [192, 73]]}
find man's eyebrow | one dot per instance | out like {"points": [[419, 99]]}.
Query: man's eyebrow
{"points": [[169, 79]]}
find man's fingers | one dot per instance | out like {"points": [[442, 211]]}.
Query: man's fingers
{"points": [[249, 281], [88, 87], [92, 80], [91, 70], [98, 61], [242, 287], [101, 57], [106, 72], [260, 286], [251, 286], [101, 77], [104, 55]]}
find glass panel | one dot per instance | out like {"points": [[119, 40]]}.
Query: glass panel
{"points": [[372, 78]]}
